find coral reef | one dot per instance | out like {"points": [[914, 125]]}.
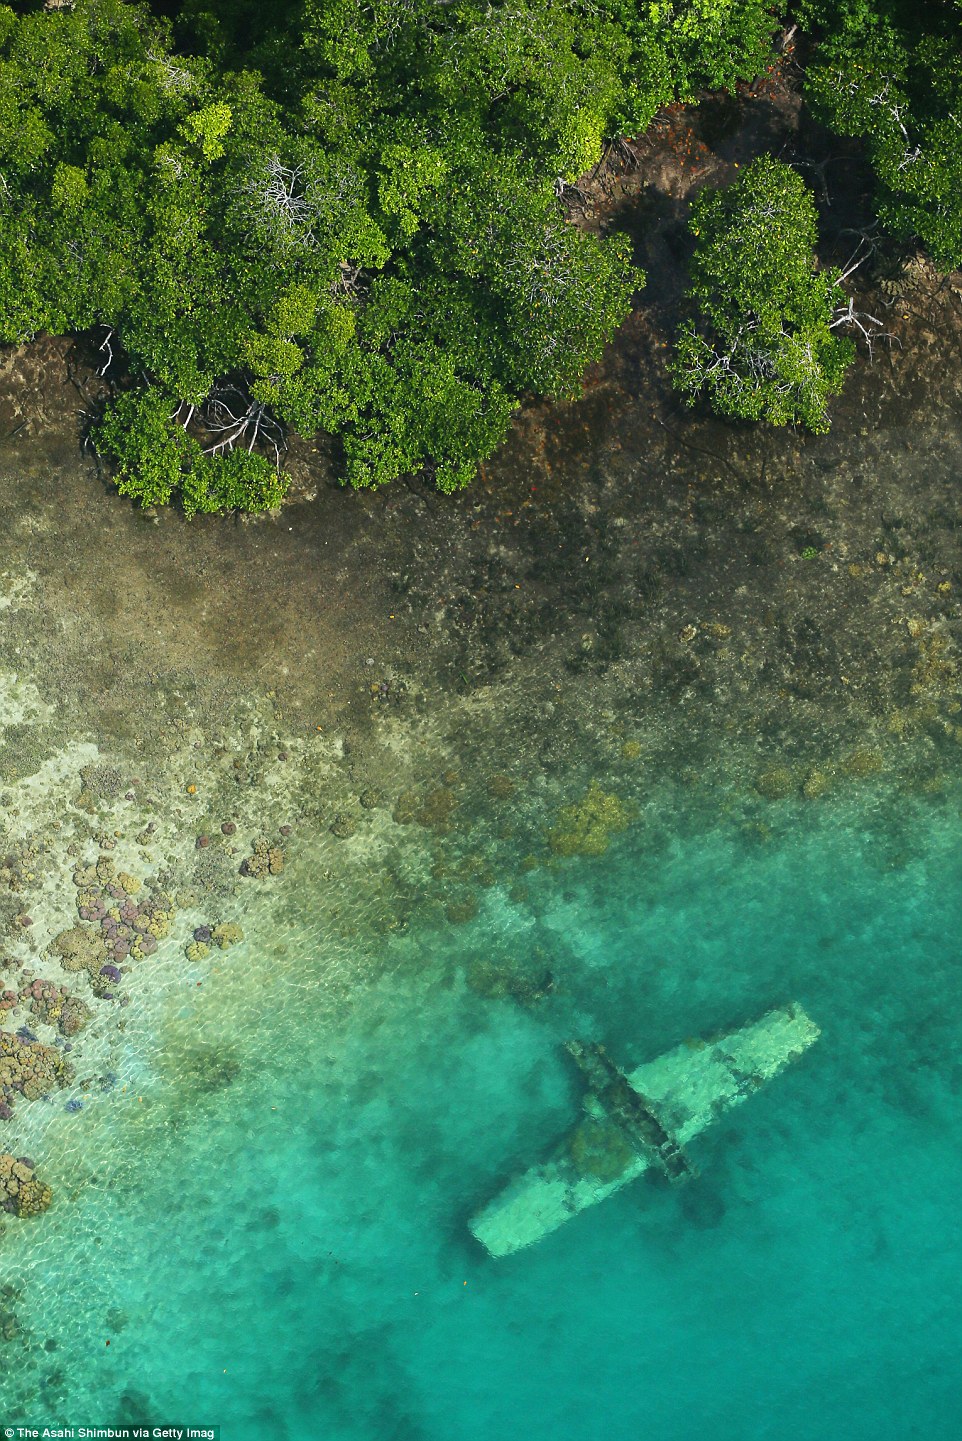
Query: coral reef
{"points": [[224, 934], [265, 860], [20, 1191], [508, 978], [29, 1069], [80, 949], [227, 933], [433, 809], [53, 1006], [775, 784], [128, 927], [585, 827]]}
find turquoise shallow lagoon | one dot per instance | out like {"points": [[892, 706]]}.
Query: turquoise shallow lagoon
{"points": [[273, 1238]]}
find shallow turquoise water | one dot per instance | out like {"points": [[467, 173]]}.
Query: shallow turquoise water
{"points": [[305, 1271]]}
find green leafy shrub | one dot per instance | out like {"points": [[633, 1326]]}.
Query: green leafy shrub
{"points": [[890, 72], [233, 480], [763, 346], [150, 455], [157, 460], [348, 211]]}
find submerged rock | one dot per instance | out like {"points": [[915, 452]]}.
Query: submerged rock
{"points": [[266, 860], [863, 762], [80, 949], [775, 784], [29, 1068], [226, 933], [21, 1193], [585, 827]]}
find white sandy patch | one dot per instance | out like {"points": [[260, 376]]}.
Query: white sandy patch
{"points": [[15, 587], [20, 702]]}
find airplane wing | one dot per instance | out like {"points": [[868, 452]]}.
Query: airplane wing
{"points": [[685, 1089]]}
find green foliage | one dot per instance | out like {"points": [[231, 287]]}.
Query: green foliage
{"points": [[346, 210], [207, 129], [763, 347], [235, 480], [156, 460], [891, 72], [150, 455]]}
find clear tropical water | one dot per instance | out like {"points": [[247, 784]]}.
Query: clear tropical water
{"points": [[269, 1224]]}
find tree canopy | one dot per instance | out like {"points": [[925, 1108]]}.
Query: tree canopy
{"points": [[764, 347], [890, 72], [342, 217]]}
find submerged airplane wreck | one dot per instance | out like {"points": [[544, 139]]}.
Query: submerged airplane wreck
{"points": [[640, 1120]]}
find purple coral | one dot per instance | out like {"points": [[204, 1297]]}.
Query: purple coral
{"points": [[202, 933], [111, 972]]}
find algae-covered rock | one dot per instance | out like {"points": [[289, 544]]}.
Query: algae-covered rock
{"points": [[196, 950], [103, 782], [501, 978], [266, 860], [433, 809], [227, 933], [817, 784], [436, 808], [461, 910], [500, 787], [585, 828], [405, 808], [863, 762], [599, 1150], [775, 784], [343, 826], [21, 1194], [80, 949]]}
